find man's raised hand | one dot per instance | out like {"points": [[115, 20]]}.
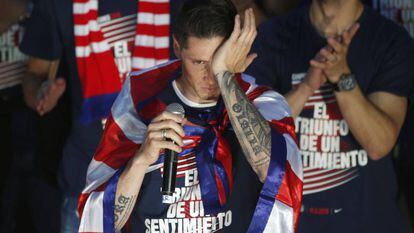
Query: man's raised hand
{"points": [[233, 56]]}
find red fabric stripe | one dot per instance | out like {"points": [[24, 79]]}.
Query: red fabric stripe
{"points": [[82, 19], [87, 40], [285, 125], [189, 155], [153, 30], [149, 52], [223, 155], [83, 198], [157, 79], [182, 163], [152, 110], [322, 174], [187, 168], [81, 1], [330, 183], [92, 71], [243, 84], [156, 8], [341, 174], [115, 149], [221, 190], [290, 192]]}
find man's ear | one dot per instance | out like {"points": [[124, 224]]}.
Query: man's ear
{"points": [[177, 48]]}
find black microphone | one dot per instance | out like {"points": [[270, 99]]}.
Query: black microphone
{"points": [[170, 162]]}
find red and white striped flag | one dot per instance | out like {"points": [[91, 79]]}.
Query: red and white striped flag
{"points": [[98, 73]]}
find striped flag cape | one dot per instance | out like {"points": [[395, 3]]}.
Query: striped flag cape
{"points": [[278, 207], [98, 73]]}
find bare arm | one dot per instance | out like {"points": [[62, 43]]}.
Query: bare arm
{"points": [[375, 121], [127, 191], [38, 94], [297, 98], [36, 74], [10, 12], [251, 129], [130, 181]]}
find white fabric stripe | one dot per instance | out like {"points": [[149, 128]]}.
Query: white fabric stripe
{"points": [[188, 102], [97, 174], [316, 178], [7, 63], [325, 102], [142, 63], [187, 141], [280, 219], [160, 62], [92, 216], [308, 186], [293, 156], [320, 100], [154, 167], [185, 165], [129, 36], [152, 41], [251, 80], [125, 115], [112, 41], [96, 47], [84, 29], [119, 31], [10, 84], [311, 191], [184, 160], [83, 8], [12, 78], [153, 19], [145, 63], [13, 74], [272, 106], [130, 22], [114, 21], [136, 73], [308, 171], [11, 66], [321, 96]]}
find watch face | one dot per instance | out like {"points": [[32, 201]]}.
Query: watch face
{"points": [[346, 83]]}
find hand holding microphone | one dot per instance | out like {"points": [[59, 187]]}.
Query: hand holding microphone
{"points": [[165, 132], [170, 160]]}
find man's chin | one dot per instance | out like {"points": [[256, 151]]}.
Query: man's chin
{"points": [[209, 98]]}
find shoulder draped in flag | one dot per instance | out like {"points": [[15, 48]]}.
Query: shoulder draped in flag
{"points": [[278, 207]]}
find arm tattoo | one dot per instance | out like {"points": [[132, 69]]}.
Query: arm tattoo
{"points": [[252, 130], [122, 210]]}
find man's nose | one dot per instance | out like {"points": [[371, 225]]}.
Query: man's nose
{"points": [[209, 75]]}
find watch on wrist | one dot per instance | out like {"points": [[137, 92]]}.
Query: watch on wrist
{"points": [[346, 82]]}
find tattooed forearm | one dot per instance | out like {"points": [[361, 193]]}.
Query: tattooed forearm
{"points": [[123, 208], [252, 130]]}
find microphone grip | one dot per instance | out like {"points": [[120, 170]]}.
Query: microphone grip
{"points": [[169, 176]]}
